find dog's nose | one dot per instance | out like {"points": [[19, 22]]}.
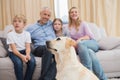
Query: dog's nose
{"points": [[58, 39]]}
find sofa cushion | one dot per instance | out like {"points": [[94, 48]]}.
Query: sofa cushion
{"points": [[6, 63], [108, 43], [110, 60], [3, 52], [7, 68]]}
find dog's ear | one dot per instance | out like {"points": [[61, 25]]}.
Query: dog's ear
{"points": [[70, 42]]}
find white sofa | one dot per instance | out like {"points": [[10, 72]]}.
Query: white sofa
{"points": [[7, 67], [109, 56], [109, 53]]}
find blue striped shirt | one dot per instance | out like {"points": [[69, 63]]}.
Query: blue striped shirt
{"points": [[41, 33]]}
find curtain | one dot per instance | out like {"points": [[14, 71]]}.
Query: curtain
{"points": [[105, 13], [29, 8]]}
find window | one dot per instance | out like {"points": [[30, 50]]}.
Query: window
{"points": [[61, 9]]}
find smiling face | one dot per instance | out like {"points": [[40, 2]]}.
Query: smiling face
{"points": [[45, 15], [73, 14]]}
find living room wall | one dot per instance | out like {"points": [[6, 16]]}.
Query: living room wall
{"points": [[105, 13], [30, 8]]}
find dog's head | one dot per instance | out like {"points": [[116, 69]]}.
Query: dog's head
{"points": [[60, 44]]}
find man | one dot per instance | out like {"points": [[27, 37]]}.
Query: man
{"points": [[41, 32]]}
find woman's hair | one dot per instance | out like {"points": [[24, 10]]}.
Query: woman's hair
{"points": [[77, 23], [20, 17]]}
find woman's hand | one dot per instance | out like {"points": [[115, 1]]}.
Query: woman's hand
{"points": [[80, 39], [86, 37]]}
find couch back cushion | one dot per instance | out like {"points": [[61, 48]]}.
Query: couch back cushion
{"points": [[99, 32], [7, 29], [3, 52]]}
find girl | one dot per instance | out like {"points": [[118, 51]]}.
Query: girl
{"points": [[58, 28], [19, 49]]}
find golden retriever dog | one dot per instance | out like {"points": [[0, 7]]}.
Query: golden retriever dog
{"points": [[68, 65]]}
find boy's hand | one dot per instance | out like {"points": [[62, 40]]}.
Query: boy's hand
{"points": [[28, 57], [24, 59]]}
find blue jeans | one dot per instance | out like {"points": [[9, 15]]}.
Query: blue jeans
{"points": [[18, 66], [49, 70], [86, 51]]}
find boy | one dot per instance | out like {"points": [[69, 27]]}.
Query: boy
{"points": [[19, 48]]}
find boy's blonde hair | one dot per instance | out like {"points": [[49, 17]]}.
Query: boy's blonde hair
{"points": [[21, 17]]}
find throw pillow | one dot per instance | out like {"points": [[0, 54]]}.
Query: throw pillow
{"points": [[108, 43], [3, 52], [3, 40]]}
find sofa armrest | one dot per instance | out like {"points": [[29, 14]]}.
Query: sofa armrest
{"points": [[109, 43]]}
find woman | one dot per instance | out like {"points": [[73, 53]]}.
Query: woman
{"points": [[86, 44]]}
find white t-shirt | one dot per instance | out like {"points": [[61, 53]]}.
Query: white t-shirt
{"points": [[18, 39]]}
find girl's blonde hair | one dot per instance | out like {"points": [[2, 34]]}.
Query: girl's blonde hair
{"points": [[77, 23], [57, 19], [21, 17]]}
